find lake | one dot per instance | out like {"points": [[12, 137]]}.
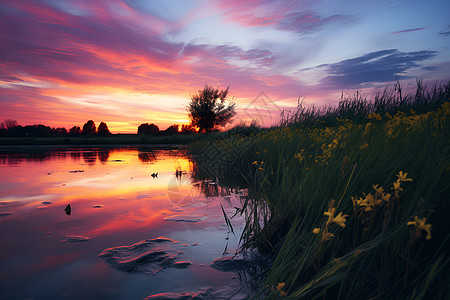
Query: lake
{"points": [[127, 234]]}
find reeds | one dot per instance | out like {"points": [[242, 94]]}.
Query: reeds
{"points": [[335, 205]]}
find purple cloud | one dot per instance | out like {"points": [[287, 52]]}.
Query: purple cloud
{"points": [[306, 22], [379, 66], [410, 30], [282, 15]]}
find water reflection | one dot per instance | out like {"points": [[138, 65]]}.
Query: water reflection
{"points": [[114, 202], [91, 156], [146, 156]]}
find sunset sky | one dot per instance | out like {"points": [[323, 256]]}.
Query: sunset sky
{"points": [[127, 62]]}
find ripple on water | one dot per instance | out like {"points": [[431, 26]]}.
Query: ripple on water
{"points": [[147, 256], [203, 293]]}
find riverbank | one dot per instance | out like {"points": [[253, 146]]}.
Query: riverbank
{"points": [[348, 207]]}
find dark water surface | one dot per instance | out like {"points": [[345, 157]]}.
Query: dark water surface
{"points": [[128, 235]]}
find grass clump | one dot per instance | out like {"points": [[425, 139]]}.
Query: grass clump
{"points": [[357, 209]]}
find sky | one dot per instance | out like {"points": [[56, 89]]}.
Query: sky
{"points": [[128, 62]]}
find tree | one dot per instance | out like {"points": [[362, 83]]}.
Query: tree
{"points": [[172, 129], [60, 131], [89, 127], [10, 124], [2, 129], [75, 130], [151, 129], [103, 129], [207, 109]]}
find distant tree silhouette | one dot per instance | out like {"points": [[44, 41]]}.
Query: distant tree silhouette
{"points": [[207, 109], [172, 129], [60, 131], [75, 130], [187, 128], [89, 127], [2, 129], [35, 130], [10, 124], [103, 129], [18, 130], [151, 129]]}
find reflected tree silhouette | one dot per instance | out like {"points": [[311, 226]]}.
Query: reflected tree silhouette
{"points": [[90, 157], [103, 155], [75, 155], [146, 156]]}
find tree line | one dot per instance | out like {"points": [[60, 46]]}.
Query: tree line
{"points": [[11, 128], [207, 111]]}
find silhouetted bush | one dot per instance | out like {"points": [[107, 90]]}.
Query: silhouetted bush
{"points": [[147, 129], [172, 129], [75, 130], [103, 129], [89, 127]]}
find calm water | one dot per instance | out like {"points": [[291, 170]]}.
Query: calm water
{"points": [[48, 254]]}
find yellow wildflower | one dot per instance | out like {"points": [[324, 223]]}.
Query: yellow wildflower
{"points": [[358, 202], [340, 220], [421, 224], [402, 177], [374, 116], [386, 197], [378, 190], [327, 236], [397, 187], [316, 230], [280, 287], [330, 214], [299, 155], [369, 202]]}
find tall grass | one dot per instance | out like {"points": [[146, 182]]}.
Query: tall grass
{"points": [[357, 108], [316, 206]]}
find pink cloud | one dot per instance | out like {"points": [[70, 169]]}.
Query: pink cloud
{"points": [[286, 16], [56, 57], [74, 54]]}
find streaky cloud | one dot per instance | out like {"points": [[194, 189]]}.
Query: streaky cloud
{"points": [[410, 30], [380, 66]]}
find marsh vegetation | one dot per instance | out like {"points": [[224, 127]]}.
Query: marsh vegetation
{"points": [[351, 202]]}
